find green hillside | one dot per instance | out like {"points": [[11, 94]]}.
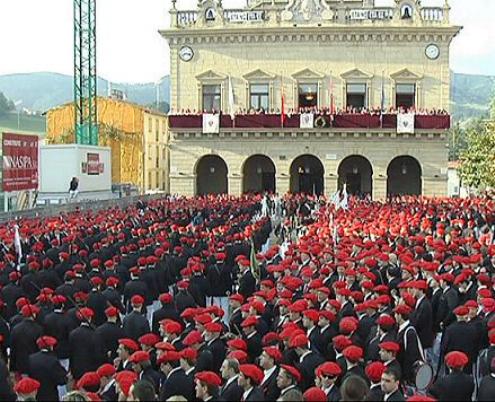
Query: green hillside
{"points": [[471, 95]]}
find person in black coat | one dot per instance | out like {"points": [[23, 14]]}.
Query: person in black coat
{"points": [[249, 378], [183, 299], [134, 287], [230, 391], [391, 386], [23, 340], [57, 325], [268, 360], [252, 338], [308, 361], [215, 345], [456, 386], [167, 311], [109, 333], [486, 389], [247, 283], [176, 381], [96, 301], [136, 324], [10, 293], [85, 346], [141, 364], [422, 316], [6, 392], [45, 368], [408, 340]]}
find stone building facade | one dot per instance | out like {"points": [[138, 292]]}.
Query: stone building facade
{"points": [[320, 54]]}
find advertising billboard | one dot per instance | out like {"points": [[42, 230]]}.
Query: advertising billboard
{"points": [[20, 162]]}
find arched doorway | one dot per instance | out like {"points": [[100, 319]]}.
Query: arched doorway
{"points": [[258, 174], [356, 172], [404, 176], [211, 175], [306, 175]]}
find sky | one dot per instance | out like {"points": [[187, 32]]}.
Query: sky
{"points": [[37, 35]]}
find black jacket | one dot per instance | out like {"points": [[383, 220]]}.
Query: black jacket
{"points": [[23, 343], [232, 392], [6, 392], [422, 319], [45, 368], [109, 334], [176, 384], [86, 351], [453, 387], [486, 391], [270, 388], [135, 325], [256, 395]]}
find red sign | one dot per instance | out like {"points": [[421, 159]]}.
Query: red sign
{"points": [[93, 164], [20, 162]]}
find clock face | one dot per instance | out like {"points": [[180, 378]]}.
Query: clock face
{"points": [[432, 52], [186, 53]]}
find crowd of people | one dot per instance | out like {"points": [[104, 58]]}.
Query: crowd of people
{"points": [[323, 111], [255, 298]]}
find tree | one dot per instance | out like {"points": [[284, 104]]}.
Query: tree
{"points": [[477, 169], [5, 105], [457, 141]]}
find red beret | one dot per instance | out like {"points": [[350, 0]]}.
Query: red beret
{"points": [[171, 327], [193, 338], [85, 314], [30, 310], [329, 369], [237, 343], [189, 354], [89, 379], [165, 346], [403, 309], [213, 327], [139, 357], [237, 297], [299, 341], [292, 371], [348, 325], [27, 386], [106, 370], [386, 321], [456, 360], [128, 343], [168, 356], [183, 285], [390, 346], [353, 353], [95, 263], [46, 342], [125, 379], [208, 377], [314, 394], [149, 339], [112, 312], [239, 355], [109, 263], [253, 372], [137, 300], [249, 322], [298, 306], [374, 371], [461, 311], [166, 298], [312, 315], [96, 281], [274, 353], [421, 398], [341, 342]]}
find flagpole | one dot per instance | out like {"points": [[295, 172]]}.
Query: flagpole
{"points": [[282, 115], [382, 100]]}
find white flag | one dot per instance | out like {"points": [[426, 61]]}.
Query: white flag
{"points": [[344, 202], [17, 245], [405, 123], [211, 123], [307, 120], [231, 99]]}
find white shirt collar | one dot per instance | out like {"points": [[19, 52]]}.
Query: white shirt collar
{"points": [[173, 371], [325, 328], [304, 355], [404, 325], [246, 393], [329, 389], [419, 301], [190, 370], [268, 373], [251, 335], [231, 380]]}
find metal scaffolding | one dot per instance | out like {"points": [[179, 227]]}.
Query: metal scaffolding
{"points": [[85, 77]]}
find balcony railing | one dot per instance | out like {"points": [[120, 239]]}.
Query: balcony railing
{"points": [[322, 122]]}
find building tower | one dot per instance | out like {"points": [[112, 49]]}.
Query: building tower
{"points": [[85, 78]]}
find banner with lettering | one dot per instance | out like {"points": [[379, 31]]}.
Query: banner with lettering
{"points": [[307, 120], [20, 162]]}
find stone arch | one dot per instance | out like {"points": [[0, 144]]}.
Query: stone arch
{"points": [[306, 175], [404, 176], [258, 174], [357, 173], [211, 175]]}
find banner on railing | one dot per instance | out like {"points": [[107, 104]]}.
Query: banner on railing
{"points": [[211, 123], [307, 120], [405, 123]]}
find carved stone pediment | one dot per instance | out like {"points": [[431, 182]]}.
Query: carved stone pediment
{"points": [[307, 74], [258, 75], [307, 11], [405, 75], [356, 74], [211, 75]]}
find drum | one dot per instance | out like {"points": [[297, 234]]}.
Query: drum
{"points": [[424, 377]]}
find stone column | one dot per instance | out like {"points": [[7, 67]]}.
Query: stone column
{"points": [[235, 185], [379, 188], [331, 183], [282, 184], [435, 186]]}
